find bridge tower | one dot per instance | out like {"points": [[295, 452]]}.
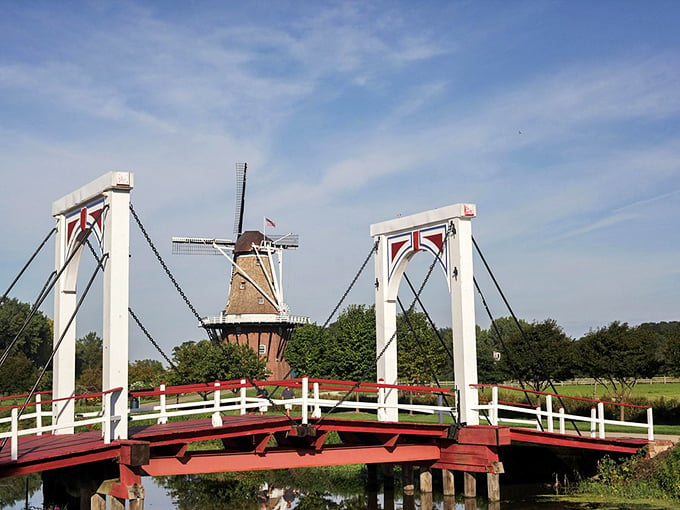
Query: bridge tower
{"points": [[102, 206], [446, 233]]}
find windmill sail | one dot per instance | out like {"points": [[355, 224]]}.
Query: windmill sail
{"points": [[241, 170]]}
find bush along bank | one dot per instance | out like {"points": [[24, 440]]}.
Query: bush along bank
{"points": [[638, 477]]}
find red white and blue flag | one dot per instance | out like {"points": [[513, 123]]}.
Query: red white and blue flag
{"points": [[269, 222]]}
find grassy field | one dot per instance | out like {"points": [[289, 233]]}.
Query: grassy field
{"points": [[652, 391]]}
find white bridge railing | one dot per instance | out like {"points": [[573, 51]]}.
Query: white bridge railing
{"points": [[35, 417], [312, 397], [544, 417]]}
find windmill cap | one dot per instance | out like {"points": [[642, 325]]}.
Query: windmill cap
{"points": [[247, 239]]}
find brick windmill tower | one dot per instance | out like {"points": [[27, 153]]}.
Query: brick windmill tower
{"points": [[255, 314]]}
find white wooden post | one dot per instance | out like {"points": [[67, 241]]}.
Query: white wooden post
{"points": [[14, 449], [38, 413], [305, 400], [549, 413], [600, 419], [494, 406], [382, 412], [593, 422], [562, 429], [106, 426], [317, 407], [650, 424], [162, 417], [216, 417], [243, 394]]}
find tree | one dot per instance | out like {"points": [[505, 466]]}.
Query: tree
{"points": [[345, 350], [145, 373], [18, 374], [36, 340], [618, 355], [540, 353], [206, 361], [421, 356], [88, 353]]}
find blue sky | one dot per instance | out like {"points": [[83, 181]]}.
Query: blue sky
{"points": [[560, 120]]}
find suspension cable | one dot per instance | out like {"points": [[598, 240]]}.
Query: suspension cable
{"points": [[354, 280], [521, 330], [426, 356], [394, 335], [47, 288], [100, 263], [30, 260], [165, 267], [149, 337]]}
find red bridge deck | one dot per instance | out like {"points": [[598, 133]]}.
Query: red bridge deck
{"points": [[253, 442]]}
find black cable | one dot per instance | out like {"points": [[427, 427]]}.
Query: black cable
{"points": [[426, 356], [30, 260], [164, 265], [394, 335], [521, 330], [148, 336], [61, 338], [356, 277], [47, 288]]}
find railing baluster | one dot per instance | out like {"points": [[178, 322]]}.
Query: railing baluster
{"points": [[163, 417], [317, 407], [106, 425], [593, 422], [14, 449], [561, 412], [650, 424], [243, 393], [600, 416], [494, 406], [216, 417], [305, 400], [38, 413], [549, 413]]}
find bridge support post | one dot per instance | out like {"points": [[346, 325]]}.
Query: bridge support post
{"points": [[469, 485], [493, 486], [425, 480], [97, 501], [448, 483]]}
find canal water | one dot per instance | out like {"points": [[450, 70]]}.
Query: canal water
{"points": [[192, 492]]}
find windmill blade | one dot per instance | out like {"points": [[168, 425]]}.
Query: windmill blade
{"points": [[285, 241], [199, 245], [241, 169]]}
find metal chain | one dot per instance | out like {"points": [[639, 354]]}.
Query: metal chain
{"points": [[165, 267], [150, 338], [394, 335], [356, 277]]}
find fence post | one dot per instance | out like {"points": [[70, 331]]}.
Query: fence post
{"points": [[163, 416], [305, 400], [106, 426], [14, 450], [317, 407], [243, 396], [593, 422], [38, 413], [494, 406], [539, 419], [216, 417], [549, 413], [600, 419], [650, 424], [381, 401], [562, 430]]}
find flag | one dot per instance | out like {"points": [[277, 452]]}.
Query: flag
{"points": [[269, 222]]}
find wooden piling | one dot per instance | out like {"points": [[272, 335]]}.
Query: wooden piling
{"points": [[469, 485], [493, 486], [448, 483], [425, 480]]}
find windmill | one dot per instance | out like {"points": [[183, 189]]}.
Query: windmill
{"points": [[256, 313]]}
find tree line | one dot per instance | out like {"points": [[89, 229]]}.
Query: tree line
{"points": [[532, 353]]}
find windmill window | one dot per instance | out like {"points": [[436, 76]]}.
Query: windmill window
{"points": [[242, 285], [260, 300]]}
